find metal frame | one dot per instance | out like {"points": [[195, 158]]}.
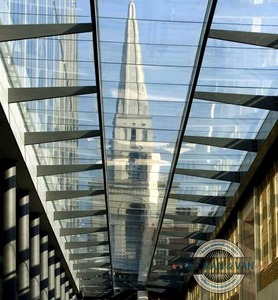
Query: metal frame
{"points": [[93, 4], [32, 138], [57, 195], [257, 101], [47, 170], [16, 95], [236, 144], [251, 38], [30, 31], [189, 100], [211, 174], [215, 200]]}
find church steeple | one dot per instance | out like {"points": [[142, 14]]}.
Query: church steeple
{"points": [[132, 92], [133, 165], [131, 10]]}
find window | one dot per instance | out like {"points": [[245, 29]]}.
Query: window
{"points": [[269, 224], [133, 134], [261, 232], [276, 210], [136, 169], [145, 135]]}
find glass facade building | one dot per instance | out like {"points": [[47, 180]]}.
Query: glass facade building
{"points": [[135, 128]]}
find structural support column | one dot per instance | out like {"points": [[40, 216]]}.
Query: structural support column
{"points": [[257, 230], [44, 268], [23, 248], [70, 293], [67, 290], [57, 280], [142, 295], [51, 275], [63, 285], [9, 234], [35, 259]]}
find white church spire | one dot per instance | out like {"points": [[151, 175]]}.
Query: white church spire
{"points": [[132, 92]]}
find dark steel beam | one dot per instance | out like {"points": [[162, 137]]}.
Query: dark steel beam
{"points": [[164, 257], [62, 215], [91, 273], [57, 195], [30, 31], [181, 232], [185, 117], [95, 281], [46, 170], [171, 246], [251, 38], [174, 253], [82, 266], [256, 101], [85, 230], [211, 174], [96, 46], [193, 219], [171, 277], [215, 200], [77, 256], [32, 138], [237, 144], [162, 268], [175, 232], [200, 236], [16, 95], [73, 245]]}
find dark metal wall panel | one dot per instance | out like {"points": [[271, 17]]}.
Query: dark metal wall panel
{"points": [[32, 138], [257, 101], [237, 144], [44, 170], [29, 31], [251, 38], [16, 95]]}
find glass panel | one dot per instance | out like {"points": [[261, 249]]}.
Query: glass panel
{"points": [[152, 54], [241, 122], [44, 12], [84, 203], [62, 61], [78, 151], [169, 33], [195, 156], [162, 10], [84, 180], [254, 16], [147, 55], [199, 186], [146, 64], [156, 92], [53, 61], [59, 114], [227, 68], [236, 68]]}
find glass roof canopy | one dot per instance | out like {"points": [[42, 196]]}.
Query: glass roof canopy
{"points": [[143, 128]]}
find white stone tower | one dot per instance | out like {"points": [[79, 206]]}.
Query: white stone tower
{"points": [[133, 167]]}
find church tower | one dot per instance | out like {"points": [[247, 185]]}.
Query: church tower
{"points": [[133, 168], [132, 122]]}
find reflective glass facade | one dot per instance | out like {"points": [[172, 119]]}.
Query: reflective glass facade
{"points": [[143, 119]]}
